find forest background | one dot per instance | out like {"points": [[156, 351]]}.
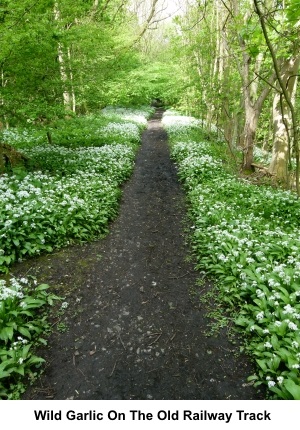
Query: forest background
{"points": [[234, 64]]}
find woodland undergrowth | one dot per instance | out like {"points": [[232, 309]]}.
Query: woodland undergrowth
{"points": [[67, 192], [247, 238]]}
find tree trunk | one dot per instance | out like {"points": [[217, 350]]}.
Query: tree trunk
{"points": [[67, 95], [281, 146], [3, 84], [282, 121], [253, 94], [73, 97], [248, 135]]}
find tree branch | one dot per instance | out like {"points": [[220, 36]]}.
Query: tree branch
{"points": [[148, 21]]}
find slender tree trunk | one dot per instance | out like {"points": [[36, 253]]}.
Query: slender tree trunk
{"points": [[73, 97], [67, 95], [211, 107], [3, 84]]}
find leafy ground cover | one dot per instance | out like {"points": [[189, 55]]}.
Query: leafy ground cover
{"points": [[24, 309], [112, 125], [70, 189], [68, 193], [134, 328], [247, 237]]}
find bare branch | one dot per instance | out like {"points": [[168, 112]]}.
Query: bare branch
{"points": [[148, 22]]}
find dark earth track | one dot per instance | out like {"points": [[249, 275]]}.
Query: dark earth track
{"points": [[134, 330]]}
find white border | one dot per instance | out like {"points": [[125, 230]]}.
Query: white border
{"points": [[21, 413]]}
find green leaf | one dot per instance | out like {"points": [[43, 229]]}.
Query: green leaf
{"points": [[230, 278], [4, 367], [281, 393], [27, 313], [275, 362], [4, 374], [292, 388], [20, 370], [243, 321], [33, 303], [16, 242], [274, 341], [251, 274], [262, 364], [252, 378], [25, 332], [293, 11], [7, 333], [42, 287], [14, 313], [35, 360], [25, 351]]}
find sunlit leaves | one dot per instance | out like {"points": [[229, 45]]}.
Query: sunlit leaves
{"points": [[293, 11]]}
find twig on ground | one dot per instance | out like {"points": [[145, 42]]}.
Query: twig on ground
{"points": [[154, 334], [112, 372], [55, 322], [171, 338], [77, 368], [155, 340], [153, 370], [178, 277], [119, 336]]}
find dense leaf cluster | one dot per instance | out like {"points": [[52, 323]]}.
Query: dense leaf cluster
{"points": [[23, 322]]}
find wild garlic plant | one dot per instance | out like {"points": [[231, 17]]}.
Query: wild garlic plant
{"points": [[68, 192], [23, 325], [247, 238]]}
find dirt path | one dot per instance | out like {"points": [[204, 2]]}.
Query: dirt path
{"points": [[133, 330]]}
